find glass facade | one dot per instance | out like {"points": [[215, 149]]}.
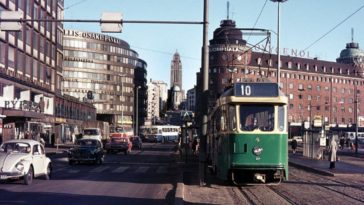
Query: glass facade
{"points": [[104, 66]]}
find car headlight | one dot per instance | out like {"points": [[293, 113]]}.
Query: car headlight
{"points": [[19, 166], [257, 150]]}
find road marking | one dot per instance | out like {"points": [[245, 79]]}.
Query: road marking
{"points": [[141, 170], [120, 169], [162, 170], [100, 169]]}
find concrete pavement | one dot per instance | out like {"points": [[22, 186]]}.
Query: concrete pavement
{"points": [[189, 191]]}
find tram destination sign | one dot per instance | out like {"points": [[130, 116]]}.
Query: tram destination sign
{"points": [[256, 90]]}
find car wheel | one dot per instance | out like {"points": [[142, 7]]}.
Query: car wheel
{"points": [[49, 172], [28, 177], [100, 161]]}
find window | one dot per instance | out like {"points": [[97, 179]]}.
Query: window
{"points": [[258, 117], [318, 87], [2, 52], [11, 56], [232, 117]]}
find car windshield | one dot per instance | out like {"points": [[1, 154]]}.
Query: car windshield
{"points": [[254, 117], [87, 143], [19, 147], [91, 132]]}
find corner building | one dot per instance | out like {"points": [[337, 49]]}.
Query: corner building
{"points": [[100, 69], [331, 90]]}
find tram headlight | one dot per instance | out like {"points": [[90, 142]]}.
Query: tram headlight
{"points": [[257, 151]]}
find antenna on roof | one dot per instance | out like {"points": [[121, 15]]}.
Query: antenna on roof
{"points": [[228, 7], [352, 35]]}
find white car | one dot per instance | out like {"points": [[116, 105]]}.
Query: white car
{"points": [[25, 159]]}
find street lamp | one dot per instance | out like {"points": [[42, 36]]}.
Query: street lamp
{"points": [[278, 52], [122, 98], [356, 117], [137, 112]]}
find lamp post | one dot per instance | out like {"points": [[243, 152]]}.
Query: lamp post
{"points": [[278, 52], [137, 111], [356, 116], [122, 98]]}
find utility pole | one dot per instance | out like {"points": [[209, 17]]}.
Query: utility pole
{"points": [[204, 95]]}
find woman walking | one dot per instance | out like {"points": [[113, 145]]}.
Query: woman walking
{"points": [[333, 150]]}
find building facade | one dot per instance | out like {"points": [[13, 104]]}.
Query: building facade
{"points": [[153, 100], [331, 90], [31, 103], [101, 69], [191, 99]]}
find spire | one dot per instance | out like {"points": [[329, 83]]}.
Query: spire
{"points": [[227, 9], [352, 35]]}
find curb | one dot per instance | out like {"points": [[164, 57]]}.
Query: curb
{"points": [[178, 199], [311, 169]]}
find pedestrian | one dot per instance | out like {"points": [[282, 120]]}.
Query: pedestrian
{"points": [[194, 146], [332, 155], [294, 146], [342, 142]]}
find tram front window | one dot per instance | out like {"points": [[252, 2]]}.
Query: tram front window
{"points": [[257, 117]]}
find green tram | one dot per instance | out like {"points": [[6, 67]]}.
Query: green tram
{"points": [[247, 134]]}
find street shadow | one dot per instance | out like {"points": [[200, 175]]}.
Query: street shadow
{"points": [[30, 198]]}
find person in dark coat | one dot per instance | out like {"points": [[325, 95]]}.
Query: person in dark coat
{"points": [[333, 150], [294, 146]]}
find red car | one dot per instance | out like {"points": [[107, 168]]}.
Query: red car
{"points": [[119, 142]]}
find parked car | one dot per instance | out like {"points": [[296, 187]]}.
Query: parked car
{"points": [[137, 142], [24, 159], [119, 142], [86, 150]]}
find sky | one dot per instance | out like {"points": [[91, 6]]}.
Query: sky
{"points": [[320, 28]]}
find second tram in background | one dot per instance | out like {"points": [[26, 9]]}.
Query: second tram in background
{"points": [[247, 134]]}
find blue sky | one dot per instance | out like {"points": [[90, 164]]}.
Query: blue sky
{"points": [[302, 23]]}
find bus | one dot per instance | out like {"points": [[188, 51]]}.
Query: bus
{"points": [[160, 133]]}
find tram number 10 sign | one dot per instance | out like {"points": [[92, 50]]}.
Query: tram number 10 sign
{"points": [[256, 90]]}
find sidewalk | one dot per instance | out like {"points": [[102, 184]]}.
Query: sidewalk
{"points": [[348, 164], [189, 192]]}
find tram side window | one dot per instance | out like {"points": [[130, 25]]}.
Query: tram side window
{"points": [[281, 114], [224, 117], [232, 118]]}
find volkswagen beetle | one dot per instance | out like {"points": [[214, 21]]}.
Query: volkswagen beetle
{"points": [[24, 158]]}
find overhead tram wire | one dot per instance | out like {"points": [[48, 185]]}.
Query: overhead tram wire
{"points": [[75, 4], [256, 21], [333, 28], [164, 52]]}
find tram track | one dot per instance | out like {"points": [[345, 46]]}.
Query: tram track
{"points": [[261, 194]]}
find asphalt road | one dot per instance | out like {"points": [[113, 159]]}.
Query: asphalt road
{"points": [[145, 176]]}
